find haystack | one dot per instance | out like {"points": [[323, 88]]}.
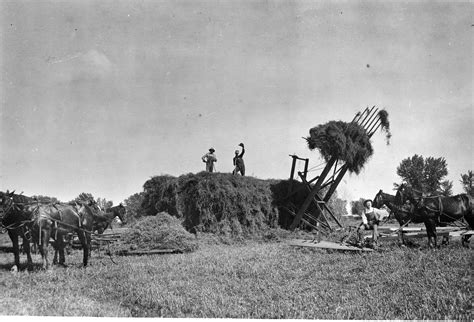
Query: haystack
{"points": [[348, 142], [214, 202], [162, 231], [226, 204], [161, 194]]}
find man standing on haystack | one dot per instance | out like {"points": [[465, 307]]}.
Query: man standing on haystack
{"points": [[209, 158], [239, 165]]}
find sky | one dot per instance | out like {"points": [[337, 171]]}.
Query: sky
{"points": [[100, 96]]}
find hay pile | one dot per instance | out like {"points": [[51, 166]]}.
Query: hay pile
{"points": [[161, 194], [345, 141], [215, 202], [162, 231]]}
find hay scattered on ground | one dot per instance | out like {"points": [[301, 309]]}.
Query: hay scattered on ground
{"points": [[162, 231]]}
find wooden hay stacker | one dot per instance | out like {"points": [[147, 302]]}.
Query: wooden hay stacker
{"points": [[315, 212]]}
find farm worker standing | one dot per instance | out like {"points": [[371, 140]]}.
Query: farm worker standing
{"points": [[209, 158], [371, 218], [239, 165]]}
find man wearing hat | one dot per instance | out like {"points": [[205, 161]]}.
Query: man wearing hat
{"points": [[239, 165], [371, 218], [209, 158]]}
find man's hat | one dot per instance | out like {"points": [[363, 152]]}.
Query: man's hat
{"points": [[212, 150], [365, 202]]}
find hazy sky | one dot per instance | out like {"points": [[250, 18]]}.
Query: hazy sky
{"points": [[98, 96]]}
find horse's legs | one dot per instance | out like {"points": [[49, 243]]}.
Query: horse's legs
{"points": [[16, 249], [431, 232], [27, 249], [85, 246], [43, 246], [56, 252], [88, 243], [60, 248]]}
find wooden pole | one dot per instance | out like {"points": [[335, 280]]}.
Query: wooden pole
{"points": [[313, 193]]}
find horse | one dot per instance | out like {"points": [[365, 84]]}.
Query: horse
{"points": [[18, 222], [92, 220], [438, 210], [381, 199], [404, 214], [26, 217], [102, 220], [55, 221], [87, 221]]}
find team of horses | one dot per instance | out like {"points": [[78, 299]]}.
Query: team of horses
{"points": [[410, 205], [38, 222]]}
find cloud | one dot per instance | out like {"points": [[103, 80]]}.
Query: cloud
{"points": [[82, 67]]}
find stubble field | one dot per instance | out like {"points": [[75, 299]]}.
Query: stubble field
{"points": [[250, 280]]}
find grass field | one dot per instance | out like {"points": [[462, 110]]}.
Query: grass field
{"points": [[250, 280]]}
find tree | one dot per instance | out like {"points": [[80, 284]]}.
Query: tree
{"points": [[133, 204], [46, 199], [84, 197], [357, 206], [337, 205], [104, 204], [446, 188], [466, 181], [423, 174]]}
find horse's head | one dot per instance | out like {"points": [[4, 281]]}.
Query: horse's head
{"points": [[378, 201], [120, 211], [6, 201]]}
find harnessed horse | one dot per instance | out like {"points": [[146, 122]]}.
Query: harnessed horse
{"points": [[402, 217], [102, 220], [17, 221], [438, 210], [43, 221]]}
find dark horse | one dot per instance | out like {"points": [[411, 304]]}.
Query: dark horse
{"points": [[42, 221], [438, 210], [102, 220], [18, 223], [381, 199], [92, 220]]}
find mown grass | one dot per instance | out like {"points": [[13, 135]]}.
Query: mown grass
{"points": [[251, 280]]}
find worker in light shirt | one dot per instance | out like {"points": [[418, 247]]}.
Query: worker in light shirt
{"points": [[371, 218]]}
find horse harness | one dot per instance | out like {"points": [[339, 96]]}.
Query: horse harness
{"points": [[439, 211]]}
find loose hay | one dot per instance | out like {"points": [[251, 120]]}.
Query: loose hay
{"points": [[345, 141], [215, 202], [162, 231]]}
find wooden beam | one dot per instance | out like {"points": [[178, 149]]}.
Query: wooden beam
{"points": [[312, 193]]}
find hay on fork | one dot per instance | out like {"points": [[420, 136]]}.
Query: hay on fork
{"points": [[348, 142]]}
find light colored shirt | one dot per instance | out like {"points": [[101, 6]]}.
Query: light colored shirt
{"points": [[379, 214]]}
